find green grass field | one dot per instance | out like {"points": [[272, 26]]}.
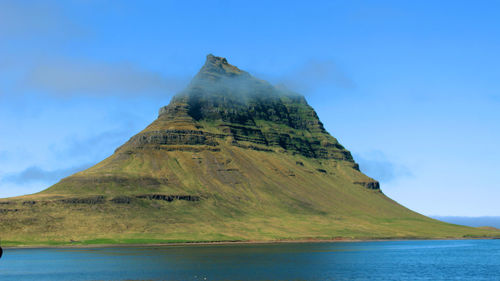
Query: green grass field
{"points": [[258, 196]]}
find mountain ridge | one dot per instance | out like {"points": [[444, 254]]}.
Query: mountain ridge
{"points": [[230, 158]]}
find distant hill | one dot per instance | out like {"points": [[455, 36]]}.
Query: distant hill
{"points": [[471, 221], [231, 158]]}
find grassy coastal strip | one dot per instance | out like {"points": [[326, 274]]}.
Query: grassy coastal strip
{"points": [[110, 242]]}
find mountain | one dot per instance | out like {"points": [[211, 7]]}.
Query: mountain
{"points": [[231, 158], [471, 221]]}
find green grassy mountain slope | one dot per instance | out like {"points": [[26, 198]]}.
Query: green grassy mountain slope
{"points": [[230, 158]]}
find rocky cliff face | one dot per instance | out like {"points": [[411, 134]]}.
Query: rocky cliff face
{"points": [[225, 104]]}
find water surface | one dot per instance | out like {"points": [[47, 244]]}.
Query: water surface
{"points": [[389, 260]]}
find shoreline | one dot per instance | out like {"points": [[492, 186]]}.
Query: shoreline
{"points": [[250, 242]]}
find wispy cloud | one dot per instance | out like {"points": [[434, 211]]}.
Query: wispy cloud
{"points": [[34, 36], [314, 74], [91, 148], [37, 174], [376, 165], [66, 78]]}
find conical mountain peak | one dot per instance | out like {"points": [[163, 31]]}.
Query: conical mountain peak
{"points": [[231, 158], [248, 111], [220, 90], [216, 68]]}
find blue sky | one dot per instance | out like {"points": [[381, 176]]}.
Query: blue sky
{"points": [[411, 88]]}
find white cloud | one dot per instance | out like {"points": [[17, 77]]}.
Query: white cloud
{"points": [[74, 78], [376, 165], [314, 74], [37, 174]]}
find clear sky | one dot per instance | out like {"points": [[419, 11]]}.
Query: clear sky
{"points": [[411, 88]]}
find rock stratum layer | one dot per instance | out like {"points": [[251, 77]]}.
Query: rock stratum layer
{"points": [[230, 158]]}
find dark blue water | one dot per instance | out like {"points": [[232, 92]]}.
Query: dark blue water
{"points": [[392, 260]]}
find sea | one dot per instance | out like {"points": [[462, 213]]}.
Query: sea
{"points": [[375, 260]]}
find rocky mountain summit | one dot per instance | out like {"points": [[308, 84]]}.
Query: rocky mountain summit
{"points": [[225, 104], [231, 158], [224, 107]]}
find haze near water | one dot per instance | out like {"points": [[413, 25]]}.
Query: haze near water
{"points": [[390, 260]]}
